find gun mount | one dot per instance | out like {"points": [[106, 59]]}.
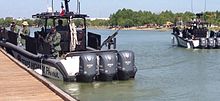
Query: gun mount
{"points": [[111, 40]]}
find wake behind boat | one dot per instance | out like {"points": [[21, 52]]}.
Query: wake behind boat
{"points": [[196, 35], [81, 58]]}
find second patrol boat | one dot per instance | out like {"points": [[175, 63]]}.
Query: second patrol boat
{"points": [[196, 35], [82, 58]]}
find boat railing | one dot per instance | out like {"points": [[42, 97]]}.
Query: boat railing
{"points": [[78, 53]]}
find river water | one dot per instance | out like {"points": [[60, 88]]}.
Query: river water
{"points": [[165, 73]]}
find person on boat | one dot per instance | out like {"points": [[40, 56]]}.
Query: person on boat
{"points": [[53, 38], [176, 30], [14, 27], [24, 33], [1, 31], [185, 33], [60, 26]]}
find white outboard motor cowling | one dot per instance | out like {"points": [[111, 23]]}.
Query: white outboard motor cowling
{"points": [[87, 68], [126, 66], [203, 42], [211, 42], [217, 42], [107, 66]]}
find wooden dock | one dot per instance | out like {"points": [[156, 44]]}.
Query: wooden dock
{"points": [[18, 83]]}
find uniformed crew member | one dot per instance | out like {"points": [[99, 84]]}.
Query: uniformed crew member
{"points": [[60, 26], [24, 33], [53, 38], [14, 27]]}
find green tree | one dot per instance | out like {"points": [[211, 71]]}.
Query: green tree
{"points": [[8, 21], [1, 21]]}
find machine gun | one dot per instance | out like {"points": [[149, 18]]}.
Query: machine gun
{"points": [[111, 40]]}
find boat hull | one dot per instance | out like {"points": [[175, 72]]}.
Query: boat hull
{"points": [[50, 67], [181, 42], [69, 69], [199, 43]]}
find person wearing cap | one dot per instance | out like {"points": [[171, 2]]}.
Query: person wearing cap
{"points": [[60, 26], [24, 32], [14, 27], [53, 38]]}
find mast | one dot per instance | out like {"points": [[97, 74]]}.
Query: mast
{"points": [[204, 17], [67, 5], [52, 6], [78, 6], [192, 6], [205, 7]]}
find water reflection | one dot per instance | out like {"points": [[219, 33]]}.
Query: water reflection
{"points": [[108, 91]]}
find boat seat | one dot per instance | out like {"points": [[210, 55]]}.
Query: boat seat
{"points": [[12, 37], [4, 35], [31, 44], [43, 47]]}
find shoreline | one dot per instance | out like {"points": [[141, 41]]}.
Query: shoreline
{"points": [[162, 29], [131, 28]]}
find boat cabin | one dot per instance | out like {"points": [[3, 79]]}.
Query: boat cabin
{"points": [[195, 29], [64, 30]]}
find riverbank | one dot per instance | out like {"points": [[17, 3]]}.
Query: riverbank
{"points": [[147, 29], [131, 28], [162, 29]]}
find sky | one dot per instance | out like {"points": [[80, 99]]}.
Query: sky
{"points": [[103, 8]]}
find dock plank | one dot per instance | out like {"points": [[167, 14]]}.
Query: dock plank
{"points": [[17, 84]]}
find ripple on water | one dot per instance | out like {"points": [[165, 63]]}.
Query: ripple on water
{"points": [[165, 73]]}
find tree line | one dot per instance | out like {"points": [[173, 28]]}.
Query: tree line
{"points": [[129, 18], [5, 22]]}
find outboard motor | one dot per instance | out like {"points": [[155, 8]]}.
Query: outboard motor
{"points": [[107, 66], [87, 68], [126, 66], [202, 42], [211, 42], [217, 42]]}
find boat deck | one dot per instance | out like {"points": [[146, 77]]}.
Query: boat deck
{"points": [[21, 84]]}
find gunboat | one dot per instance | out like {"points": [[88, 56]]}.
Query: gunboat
{"points": [[83, 57], [196, 35]]}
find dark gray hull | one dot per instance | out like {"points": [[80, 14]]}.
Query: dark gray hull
{"points": [[86, 69]]}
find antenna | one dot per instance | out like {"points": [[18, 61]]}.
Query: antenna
{"points": [[205, 7], [78, 6], [204, 17], [192, 6], [52, 6]]}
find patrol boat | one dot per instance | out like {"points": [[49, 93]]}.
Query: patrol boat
{"points": [[196, 35], [83, 58]]}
